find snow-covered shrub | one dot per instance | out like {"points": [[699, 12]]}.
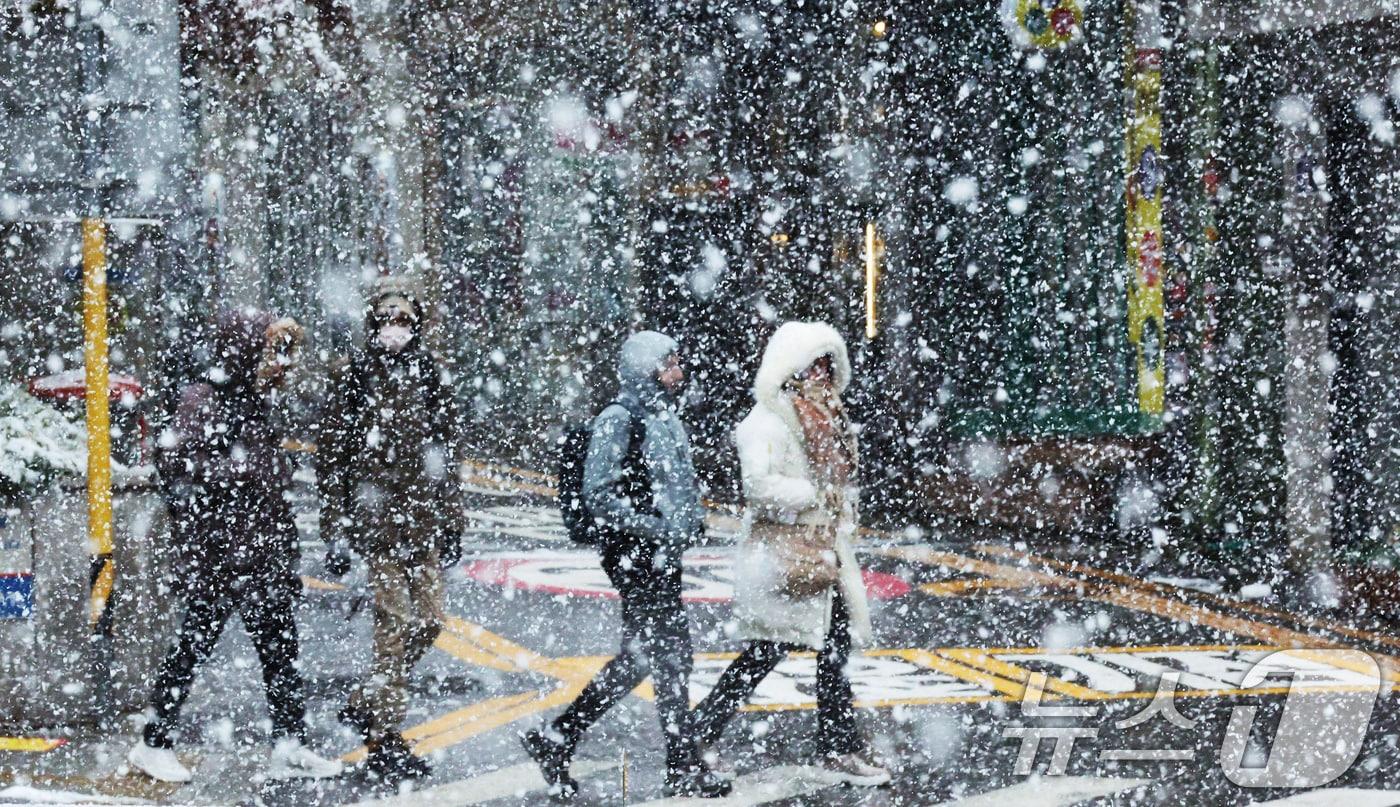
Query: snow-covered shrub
{"points": [[37, 442]]}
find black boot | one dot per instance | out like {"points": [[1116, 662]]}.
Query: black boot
{"points": [[553, 759], [358, 719], [695, 780], [391, 761]]}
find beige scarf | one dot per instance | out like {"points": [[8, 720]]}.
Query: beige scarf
{"points": [[826, 433]]}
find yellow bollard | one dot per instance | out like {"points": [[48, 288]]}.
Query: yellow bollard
{"points": [[99, 435]]}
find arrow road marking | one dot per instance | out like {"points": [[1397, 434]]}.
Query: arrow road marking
{"points": [[517, 780]]}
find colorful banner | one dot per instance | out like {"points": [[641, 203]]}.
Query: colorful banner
{"points": [[1146, 323]]}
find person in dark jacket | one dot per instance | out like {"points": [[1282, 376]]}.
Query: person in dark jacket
{"points": [[388, 460], [223, 459], [643, 540]]}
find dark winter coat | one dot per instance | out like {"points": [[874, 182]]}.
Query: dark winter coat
{"points": [[223, 464], [389, 452]]}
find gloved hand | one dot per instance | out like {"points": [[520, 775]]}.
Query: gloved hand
{"points": [[449, 547], [337, 561]]}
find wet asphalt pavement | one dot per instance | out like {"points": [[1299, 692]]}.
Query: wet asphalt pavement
{"points": [[964, 631]]}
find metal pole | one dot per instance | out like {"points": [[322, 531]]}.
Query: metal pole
{"points": [[99, 438], [94, 229]]}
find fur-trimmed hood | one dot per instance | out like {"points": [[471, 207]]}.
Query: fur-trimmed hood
{"points": [[792, 349]]}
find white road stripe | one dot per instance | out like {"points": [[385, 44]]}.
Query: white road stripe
{"points": [[516, 780], [1051, 791], [24, 794], [761, 787], [1350, 796]]}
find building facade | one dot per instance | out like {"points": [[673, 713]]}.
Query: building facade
{"points": [[1115, 267]]}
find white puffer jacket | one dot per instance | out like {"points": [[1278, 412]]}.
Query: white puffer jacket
{"points": [[778, 488]]}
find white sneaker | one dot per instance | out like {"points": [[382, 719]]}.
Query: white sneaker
{"points": [[292, 760], [160, 764], [852, 769]]}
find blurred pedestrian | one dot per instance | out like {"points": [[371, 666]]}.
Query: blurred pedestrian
{"points": [[388, 471], [224, 455], [640, 488], [797, 583]]}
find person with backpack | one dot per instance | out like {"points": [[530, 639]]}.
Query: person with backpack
{"points": [[638, 500], [225, 473], [387, 462], [797, 583]]}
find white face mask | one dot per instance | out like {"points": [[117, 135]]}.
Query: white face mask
{"points": [[395, 338]]}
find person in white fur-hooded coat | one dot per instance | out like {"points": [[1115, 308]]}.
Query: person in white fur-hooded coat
{"points": [[798, 457]]}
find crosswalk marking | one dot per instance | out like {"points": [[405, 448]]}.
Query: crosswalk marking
{"points": [[792, 781], [1051, 791], [25, 794], [517, 780], [1350, 796], [761, 787]]}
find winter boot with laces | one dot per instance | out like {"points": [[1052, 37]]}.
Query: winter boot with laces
{"points": [[391, 761], [553, 759]]}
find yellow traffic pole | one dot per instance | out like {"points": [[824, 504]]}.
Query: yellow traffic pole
{"points": [[99, 435]]}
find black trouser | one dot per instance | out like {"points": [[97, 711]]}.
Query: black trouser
{"points": [[655, 641], [836, 716], [267, 605]]}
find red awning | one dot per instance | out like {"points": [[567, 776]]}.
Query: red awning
{"points": [[71, 384]]}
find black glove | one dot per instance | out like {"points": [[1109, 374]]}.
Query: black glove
{"points": [[449, 547], [337, 561]]}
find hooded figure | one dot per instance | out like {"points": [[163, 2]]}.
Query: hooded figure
{"points": [[674, 515], [798, 462], [223, 459], [780, 487], [644, 536], [223, 463], [387, 467]]}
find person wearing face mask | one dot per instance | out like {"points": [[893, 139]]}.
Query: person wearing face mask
{"points": [[387, 462], [222, 459]]}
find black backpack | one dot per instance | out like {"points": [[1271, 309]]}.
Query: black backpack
{"points": [[573, 452]]}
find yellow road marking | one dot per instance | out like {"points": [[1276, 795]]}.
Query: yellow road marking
{"points": [[961, 588], [979, 659], [1136, 600], [476, 645], [1336, 627], [319, 584], [951, 666], [482, 710], [30, 745], [484, 723]]}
